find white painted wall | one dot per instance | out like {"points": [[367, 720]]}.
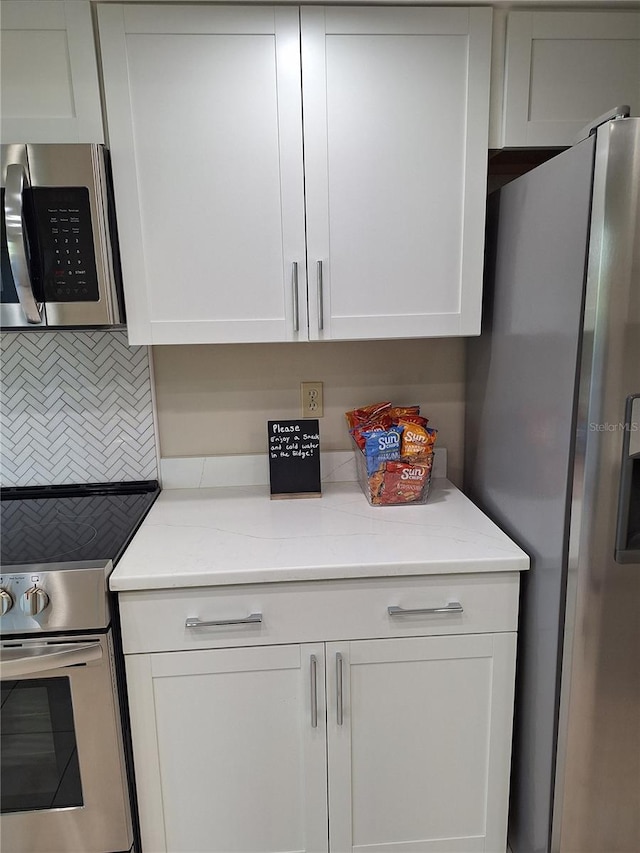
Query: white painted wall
{"points": [[217, 399]]}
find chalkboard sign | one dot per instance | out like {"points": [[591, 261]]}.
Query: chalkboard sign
{"points": [[294, 458]]}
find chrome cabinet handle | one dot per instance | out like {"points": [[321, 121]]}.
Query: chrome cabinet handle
{"points": [[320, 297], [193, 622], [314, 692], [451, 607], [339, 675], [15, 185], [294, 287]]}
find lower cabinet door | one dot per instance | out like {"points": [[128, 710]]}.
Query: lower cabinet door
{"points": [[419, 743], [230, 749]]}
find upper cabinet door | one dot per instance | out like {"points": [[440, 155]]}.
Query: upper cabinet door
{"points": [[205, 130], [396, 105], [48, 77], [564, 69]]}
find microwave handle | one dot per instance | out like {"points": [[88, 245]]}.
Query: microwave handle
{"points": [[14, 663], [15, 184]]}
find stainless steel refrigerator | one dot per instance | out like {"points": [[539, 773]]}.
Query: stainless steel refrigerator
{"points": [[553, 456]]}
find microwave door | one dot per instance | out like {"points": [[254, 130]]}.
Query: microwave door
{"points": [[20, 306], [70, 195]]}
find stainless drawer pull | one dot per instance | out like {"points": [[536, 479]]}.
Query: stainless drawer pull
{"points": [[339, 710], [314, 692], [451, 607], [192, 622]]}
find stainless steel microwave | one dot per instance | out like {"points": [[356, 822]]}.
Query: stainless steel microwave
{"points": [[60, 264]]}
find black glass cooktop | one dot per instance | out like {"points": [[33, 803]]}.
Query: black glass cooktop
{"points": [[61, 524]]}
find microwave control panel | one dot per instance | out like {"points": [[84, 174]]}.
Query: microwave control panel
{"points": [[65, 244]]}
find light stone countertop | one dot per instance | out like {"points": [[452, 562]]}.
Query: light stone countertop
{"points": [[237, 535]]}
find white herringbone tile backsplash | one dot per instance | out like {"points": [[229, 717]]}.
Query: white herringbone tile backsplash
{"points": [[76, 408]]}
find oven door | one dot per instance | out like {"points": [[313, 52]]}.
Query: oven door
{"points": [[63, 787]]}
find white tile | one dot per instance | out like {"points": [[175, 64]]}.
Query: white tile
{"points": [[76, 408]]}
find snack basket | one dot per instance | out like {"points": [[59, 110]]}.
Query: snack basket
{"points": [[418, 482]]}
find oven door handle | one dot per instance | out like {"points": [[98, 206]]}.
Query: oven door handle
{"points": [[16, 662]]}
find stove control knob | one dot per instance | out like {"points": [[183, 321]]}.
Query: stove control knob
{"points": [[6, 602], [34, 601]]}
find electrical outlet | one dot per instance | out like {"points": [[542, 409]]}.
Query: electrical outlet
{"points": [[311, 394]]}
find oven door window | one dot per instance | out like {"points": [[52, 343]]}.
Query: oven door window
{"points": [[39, 755]]}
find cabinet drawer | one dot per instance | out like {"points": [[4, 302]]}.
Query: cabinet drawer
{"points": [[155, 620]]}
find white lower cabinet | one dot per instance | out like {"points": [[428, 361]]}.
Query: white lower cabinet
{"points": [[226, 756], [419, 756], [398, 744]]}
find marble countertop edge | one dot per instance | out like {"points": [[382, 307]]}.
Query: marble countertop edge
{"points": [[240, 577], [236, 536]]}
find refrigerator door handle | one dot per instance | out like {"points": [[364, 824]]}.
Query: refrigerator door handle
{"points": [[16, 183], [628, 521]]}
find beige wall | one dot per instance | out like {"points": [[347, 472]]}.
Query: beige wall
{"points": [[217, 399]]}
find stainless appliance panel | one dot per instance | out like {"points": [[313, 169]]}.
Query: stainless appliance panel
{"points": [[76, 593], [102, 822], [576, 766], [40, 183], [518, 435], [12, 316], [597, 803], [81, 165]]}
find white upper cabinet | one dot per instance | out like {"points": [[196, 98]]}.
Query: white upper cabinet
{"points": [[204, 108], [48, 72], [564, 69], [205, 130], [396, 105]]}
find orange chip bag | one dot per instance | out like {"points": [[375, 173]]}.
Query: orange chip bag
{"points": [[404, 482], [375, 486], [403, 411], [416, 439], [367, 413], [415, 419]]}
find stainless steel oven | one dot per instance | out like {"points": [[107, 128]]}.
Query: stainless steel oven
{"points": [[65, 754], [64, 784]]}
